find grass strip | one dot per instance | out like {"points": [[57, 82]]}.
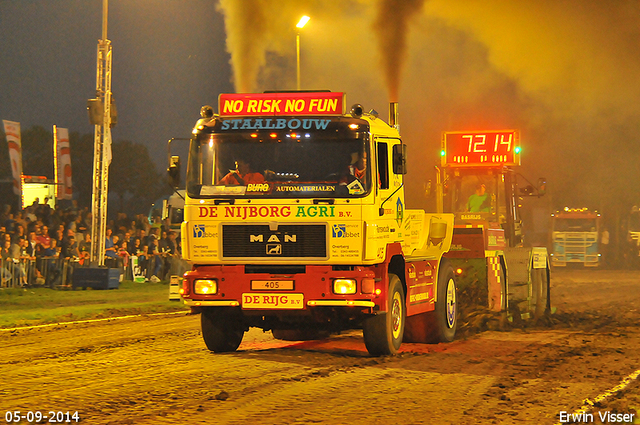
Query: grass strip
{"points": [[36, 306]]}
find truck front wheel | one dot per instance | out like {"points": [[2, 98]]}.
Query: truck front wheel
{"points": [[222, 330], [383, 332]]}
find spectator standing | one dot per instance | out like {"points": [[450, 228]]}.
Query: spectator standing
{"points": [[71, 248], [18, 268], [66, 241], [59, 236], [144, 239], [173, 255], [135, 247], [109, 246], [165, 254], [19, 233], [50, 267], [154, 260], [123, 254], [29, 262], [44, 239], [33, 246], [81, 226], [84, 248], [143, 260], [6, 269]]}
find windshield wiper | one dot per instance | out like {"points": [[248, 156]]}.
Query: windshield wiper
{"points": [[329, 201], [229, 201]]}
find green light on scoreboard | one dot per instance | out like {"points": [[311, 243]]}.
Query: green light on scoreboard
{"points": [[442, 152], [517, 149]]}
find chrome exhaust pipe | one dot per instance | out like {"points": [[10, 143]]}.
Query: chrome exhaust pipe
{"points": [[393, 115]]}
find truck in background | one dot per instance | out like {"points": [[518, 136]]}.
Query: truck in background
{"points": [[478, 182], [575, 236], [315, 237], [170, 208]]}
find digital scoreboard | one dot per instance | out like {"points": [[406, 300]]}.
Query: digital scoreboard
{"points": [[480, 148]]}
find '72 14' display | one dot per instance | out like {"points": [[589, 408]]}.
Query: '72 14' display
{"points": [[480, 148]]}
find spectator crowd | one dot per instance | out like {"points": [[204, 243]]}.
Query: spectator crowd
{"points": [[41, 245]]}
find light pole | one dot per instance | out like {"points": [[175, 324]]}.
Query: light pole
{"points": [[303, 21]]}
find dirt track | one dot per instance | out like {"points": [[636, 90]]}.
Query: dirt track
{"points": [[156, 370]]}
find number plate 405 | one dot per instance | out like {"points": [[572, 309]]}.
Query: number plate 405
{"points": [[271, 285]]}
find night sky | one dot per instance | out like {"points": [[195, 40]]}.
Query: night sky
{"points": [[565, 73], [169, 59]]}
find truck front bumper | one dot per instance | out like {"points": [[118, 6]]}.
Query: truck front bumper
{"points": [[267, 292]]}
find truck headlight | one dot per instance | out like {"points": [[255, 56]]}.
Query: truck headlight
{"points": [[205, 286], [344, 286]]}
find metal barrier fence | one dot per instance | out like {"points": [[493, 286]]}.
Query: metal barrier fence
{"points": [[53, 272]]}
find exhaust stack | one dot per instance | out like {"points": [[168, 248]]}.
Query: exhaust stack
{"points": [[393, 115]]}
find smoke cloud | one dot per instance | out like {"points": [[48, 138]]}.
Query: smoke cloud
{"points": [[246, 23], [563, 72], [391, 28]]}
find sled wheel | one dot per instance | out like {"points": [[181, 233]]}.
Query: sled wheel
{"points": [[222, 330], [383, 332], [446, 306], [540, 284]]}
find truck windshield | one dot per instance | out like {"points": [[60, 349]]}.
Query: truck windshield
{"points": [[330, 159], [472, 191], [575, 225]]}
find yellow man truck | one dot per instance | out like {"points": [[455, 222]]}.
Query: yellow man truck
{"points": [[295, 222]]}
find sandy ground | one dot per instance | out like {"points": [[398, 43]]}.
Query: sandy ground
{"points": [[156, 370]]}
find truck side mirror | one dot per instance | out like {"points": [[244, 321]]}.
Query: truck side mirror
{"points": [[400, 159], [174, 171], [165, 209], [542, 186], [527, 190]]}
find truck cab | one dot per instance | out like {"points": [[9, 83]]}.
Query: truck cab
{"points": [[575, 237]]}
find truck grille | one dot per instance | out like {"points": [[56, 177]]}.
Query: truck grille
{"points": [[257, 241]]}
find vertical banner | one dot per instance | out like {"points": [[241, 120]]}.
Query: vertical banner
{"points": [[12, 131], [62, 158]]}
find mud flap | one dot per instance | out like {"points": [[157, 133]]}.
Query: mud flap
{"points": [[495, 278]]}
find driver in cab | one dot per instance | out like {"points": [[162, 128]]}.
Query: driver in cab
{"points": [[480, 201], [242, 175]]}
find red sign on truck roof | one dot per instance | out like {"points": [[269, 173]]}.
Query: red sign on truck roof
{"points": [[295, 103]]}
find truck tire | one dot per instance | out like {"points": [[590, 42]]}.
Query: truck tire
{"points": [[222, 330], [446, 312], [383, 332]]}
